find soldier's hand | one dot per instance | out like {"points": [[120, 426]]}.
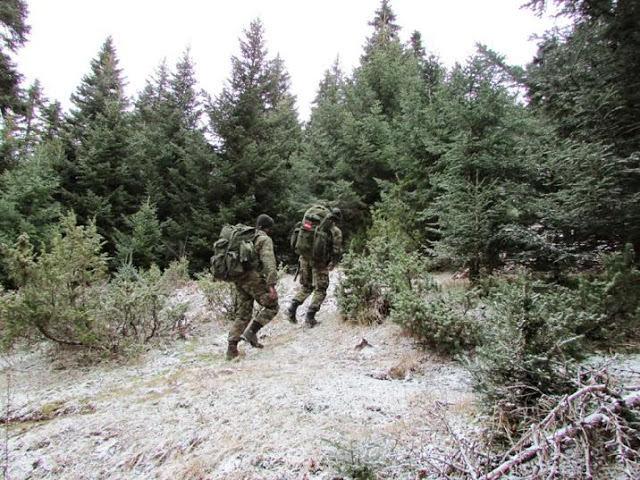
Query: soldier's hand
{"points": [[273, 293]]}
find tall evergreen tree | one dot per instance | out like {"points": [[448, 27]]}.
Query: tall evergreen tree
{"points": [[152, 135], [382, 65], [480, 182], [27, 199], [255, 123], [323, 146], [177, 162], [13, 34], [385, 31], [421, 136], [35, 125], [372, 102], [96, 177], [584, 81], [192, 190]]}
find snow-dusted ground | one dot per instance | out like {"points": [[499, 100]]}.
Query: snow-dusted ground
{"points": [[309, 404]]}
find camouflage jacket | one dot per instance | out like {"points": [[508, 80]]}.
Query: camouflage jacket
{"points": [[266, 256]]}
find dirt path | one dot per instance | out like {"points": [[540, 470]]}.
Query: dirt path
{"points": [[308, 405]]}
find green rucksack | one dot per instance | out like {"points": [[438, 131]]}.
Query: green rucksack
{"points": [[233, 252], [311, 238]]}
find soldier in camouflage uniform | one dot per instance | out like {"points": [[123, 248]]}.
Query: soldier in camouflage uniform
{"points": [[314, 276], [258, 284]]}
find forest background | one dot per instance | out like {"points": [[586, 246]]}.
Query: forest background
{"points": [[527, 173]]}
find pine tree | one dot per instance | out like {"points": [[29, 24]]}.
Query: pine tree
{"points": [[385, 31], [323, 147], [420, 133], [382, 65], [27, 199], [100, 91], [35, 125], [481, 186], [143, 246], [372, 101], [152, 135], [584, 82], [13, 15], [255, 123], [96, 175], [178, 166]]}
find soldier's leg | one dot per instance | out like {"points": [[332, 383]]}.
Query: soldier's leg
{"points": [[306, 282], [243, 314], [321, 284], [259, 291]]}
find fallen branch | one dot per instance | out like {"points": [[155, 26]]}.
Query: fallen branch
{"points": [[555, 439]]}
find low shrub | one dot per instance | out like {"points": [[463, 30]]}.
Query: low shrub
{"points": [[373, 279], [64, 294], [220, 295], [441, 321], [529, 347]]}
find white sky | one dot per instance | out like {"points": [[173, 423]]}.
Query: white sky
{"points": [[67, 34]]}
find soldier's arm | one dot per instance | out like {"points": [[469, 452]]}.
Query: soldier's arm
{"points": [[264, 249]]}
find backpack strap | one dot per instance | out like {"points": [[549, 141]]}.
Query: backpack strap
{"points": [[319, 227], [232, 237]]}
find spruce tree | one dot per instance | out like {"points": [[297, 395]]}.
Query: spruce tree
{"points": [[143, 245], [255, 123], [323, 148], [13, 15], [372, 101], [35, 125], [176, 162], [27, 199], [480, 183], [583, 81], [422, 136], [14, 30], [96, 175]]}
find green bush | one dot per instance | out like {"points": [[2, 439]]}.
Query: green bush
{"points": [[59, 290], [134, 306], [440, 321], [362, 295], [529, 344], [220, 295], [373, 279], [617, 292], [606, 305], [64, 294]]}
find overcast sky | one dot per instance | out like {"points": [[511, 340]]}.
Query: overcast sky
{"points": [[67, 34]]}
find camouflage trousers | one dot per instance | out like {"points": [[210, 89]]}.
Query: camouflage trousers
{"points": [[251, 288], [314, 278]]}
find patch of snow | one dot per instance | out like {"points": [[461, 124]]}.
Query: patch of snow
{"points": [[283, 412]]}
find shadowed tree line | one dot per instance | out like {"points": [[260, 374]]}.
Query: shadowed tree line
{"points": [[483, 162]]}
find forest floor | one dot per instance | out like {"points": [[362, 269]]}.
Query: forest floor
{"points": [[321, 403]]}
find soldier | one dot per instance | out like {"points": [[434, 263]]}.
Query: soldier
{"points": [[258, 284], [314, 276]]}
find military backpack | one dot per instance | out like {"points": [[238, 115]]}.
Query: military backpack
{"points": [[233, 252], [311, 238]]}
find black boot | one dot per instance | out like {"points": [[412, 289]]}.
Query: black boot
{"points": [[232, 349], [250, 336], [291, 311], [310, 321]]}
